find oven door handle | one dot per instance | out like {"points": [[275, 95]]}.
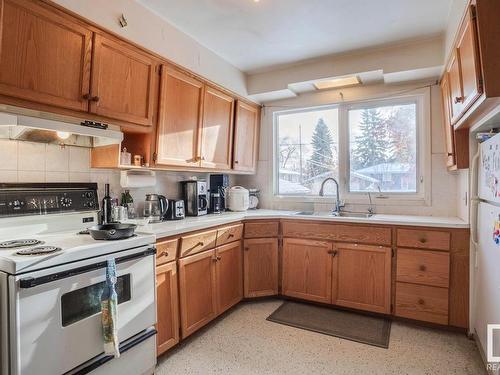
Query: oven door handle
{"points": [[102, 359], [31, 282]]}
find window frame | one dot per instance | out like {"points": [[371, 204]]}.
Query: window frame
{"points": [[422, 100]]}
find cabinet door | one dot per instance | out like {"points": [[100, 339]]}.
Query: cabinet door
{"points": [[229, 276], [260, 262], [167, 307], [197, 286], [246, 132], [181, 98], [467, 48], [362, 277], [307, 269], [123, 80], [448, 129], [456, 91], [217, 129], [45, 56]]}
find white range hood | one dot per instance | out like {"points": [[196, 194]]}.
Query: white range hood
{"points": [[34, 129]]}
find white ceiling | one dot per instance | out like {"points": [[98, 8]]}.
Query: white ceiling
{"points": [[254, 36]]}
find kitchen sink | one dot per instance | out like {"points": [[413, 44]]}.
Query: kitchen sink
{"points": [[365, 215]]}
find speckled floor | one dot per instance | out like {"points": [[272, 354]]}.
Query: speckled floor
{"points": [[243, 342]]}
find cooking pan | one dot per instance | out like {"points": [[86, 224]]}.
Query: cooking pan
{"points": [[112, 231]]}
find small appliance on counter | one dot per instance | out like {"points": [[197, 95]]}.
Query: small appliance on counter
{"points": [[175, 210], [155, 207], [254, 198], [195, 197], [219, 183], [238, 198], [215, 203]]}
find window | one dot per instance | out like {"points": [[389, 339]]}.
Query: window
{"points": [[307, 150], [376, 146], [383, 149]]}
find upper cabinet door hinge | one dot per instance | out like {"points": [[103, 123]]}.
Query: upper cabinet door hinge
{"points": [[473, 12]]}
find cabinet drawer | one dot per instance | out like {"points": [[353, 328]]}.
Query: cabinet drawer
{"points": [[423, 239], [198, 242], [424, 267], [338, 232], [262, 229], [420, 302], [166, 251], [229, 234]]}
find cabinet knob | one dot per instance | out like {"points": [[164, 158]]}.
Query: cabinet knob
{"points": [[423, 240], [164, 254], [247, 248], [421, 301], [450, 154], [86, 96], [236, 162], [459, 99], [230, 235], [423, 268], [333, 253], [95, 99]]}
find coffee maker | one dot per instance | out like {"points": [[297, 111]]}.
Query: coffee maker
{"points": [[219, 183], [195, 197]]}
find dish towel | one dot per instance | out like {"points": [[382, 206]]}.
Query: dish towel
{"points": [[109, 303]]}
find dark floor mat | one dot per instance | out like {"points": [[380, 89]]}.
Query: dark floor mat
{"points": [[344, 324]]}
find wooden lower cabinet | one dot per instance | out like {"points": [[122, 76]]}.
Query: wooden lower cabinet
{"points": [[167, 307], [307, 269], [362, 277], [197, 287], [229, 276], [421, 302], [260, 263]]}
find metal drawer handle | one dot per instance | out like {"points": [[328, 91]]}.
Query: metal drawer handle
{"points": [[200, 244], [230, 235], [164, 254]]}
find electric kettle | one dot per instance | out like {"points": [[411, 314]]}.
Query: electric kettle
{"points": [[155, 207]]}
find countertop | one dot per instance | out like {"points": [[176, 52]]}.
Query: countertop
{"points": [[172, 228]]}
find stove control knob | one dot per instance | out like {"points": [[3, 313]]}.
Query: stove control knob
{"points": [[66, 202], [89, 194]]}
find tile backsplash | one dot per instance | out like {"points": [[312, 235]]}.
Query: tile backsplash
{"points": [[38, 162]]}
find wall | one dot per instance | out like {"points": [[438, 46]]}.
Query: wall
{"points": [[38, 162], [444, 185], [156, 34]]}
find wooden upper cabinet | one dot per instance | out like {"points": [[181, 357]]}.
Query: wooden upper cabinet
{"points": [[448, 128], [217, 129], [456, 90], [181, 98], [229, 272], [167, 307], [123, 82], [45, 55], [197, 288], [260, 264], [307, 269], [246, 132], [467, 49], [362, 277]]}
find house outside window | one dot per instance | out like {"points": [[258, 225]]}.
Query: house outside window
{"points": [[376, 146]]}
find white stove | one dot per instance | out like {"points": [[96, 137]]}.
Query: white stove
{"points": [[46, 262]]}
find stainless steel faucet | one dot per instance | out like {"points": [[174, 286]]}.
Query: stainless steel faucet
{"points": [[371, 210], [338, 203]]}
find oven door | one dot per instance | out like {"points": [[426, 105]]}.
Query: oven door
{"points": [[56, 323]]}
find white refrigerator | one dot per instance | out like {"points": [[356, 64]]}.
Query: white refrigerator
{"points": [[486, 236]]}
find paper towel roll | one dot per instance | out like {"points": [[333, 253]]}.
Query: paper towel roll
{"points": [[137, 179]]}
